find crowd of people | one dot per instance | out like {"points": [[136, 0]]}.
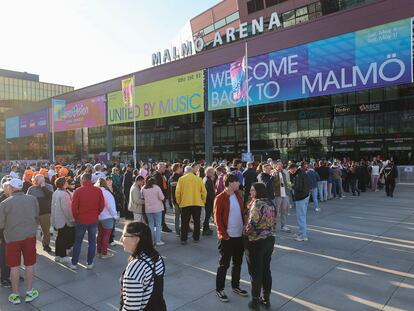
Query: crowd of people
{"points": [[246, 203]]}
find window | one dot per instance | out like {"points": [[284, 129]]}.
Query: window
{"points": [[232, 17], [220, 23], [208, 29], [254, 6]]}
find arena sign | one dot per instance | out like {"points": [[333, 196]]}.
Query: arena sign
{"points": [[370, 58], [186, 49]]}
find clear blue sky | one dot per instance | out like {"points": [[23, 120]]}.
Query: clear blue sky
{"points": [[82, 42]]}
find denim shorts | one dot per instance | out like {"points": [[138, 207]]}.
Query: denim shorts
{"points": [[107, 223]]}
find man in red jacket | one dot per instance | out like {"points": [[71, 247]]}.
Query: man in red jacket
{"points": [[87, 203], [228, 217]]}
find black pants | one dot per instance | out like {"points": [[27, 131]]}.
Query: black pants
{"points": [[354, 186], [209, 211], [231, 249], [163, 224], [5, 270], [258, 256], [186, 214], [390, 186], [65, 239]]}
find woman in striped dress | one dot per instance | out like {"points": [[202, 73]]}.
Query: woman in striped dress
{"points": [[142, 283]]}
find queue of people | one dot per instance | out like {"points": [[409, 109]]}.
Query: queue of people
{"points": [[246, 204]]}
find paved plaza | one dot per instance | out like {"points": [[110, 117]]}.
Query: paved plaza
{"points": [[360, 256]]}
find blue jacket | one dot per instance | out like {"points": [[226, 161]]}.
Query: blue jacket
{"points": [[313, 178]]}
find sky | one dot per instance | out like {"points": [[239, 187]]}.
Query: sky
{"points": [[83, 42]]}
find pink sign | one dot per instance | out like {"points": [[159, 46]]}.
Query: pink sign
{"points": [[90, 112]]}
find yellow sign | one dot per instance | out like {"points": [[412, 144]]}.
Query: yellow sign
{"points": [[166, 98], [128, 91]]}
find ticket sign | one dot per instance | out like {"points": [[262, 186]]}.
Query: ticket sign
{"points": [[174, 96], [370, 58]]}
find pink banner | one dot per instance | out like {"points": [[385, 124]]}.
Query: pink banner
{"points": [[85, 113]]}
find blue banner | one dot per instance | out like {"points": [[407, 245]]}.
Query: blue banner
{"points": [[371, 58], [12, 127]]}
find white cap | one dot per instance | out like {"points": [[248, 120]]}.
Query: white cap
{"points": [[15, 183]]}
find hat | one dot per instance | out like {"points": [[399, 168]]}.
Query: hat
{"points": [[292, 165], [15, 183], [5, 179], [278, 161]]}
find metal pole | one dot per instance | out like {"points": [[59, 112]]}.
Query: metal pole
{"points": [[53, 131], [135, 126], [247, 98]]}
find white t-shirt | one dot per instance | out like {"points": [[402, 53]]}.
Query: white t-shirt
{"points": [[282, 188], [235, 223], [14, 174], [51, 173], [375, 169]]}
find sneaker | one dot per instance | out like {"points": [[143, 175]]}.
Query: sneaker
{"points": [[109, 255], [183, 242], [99, 255], [6, 284], [317, 209], [177, 234], [47, 249], [58, 259], [265, 302], [72, 266], [240, 291], [32, 296], [112, 243], [66, 260], [221, 295], [14, 299], [160, 243], [300, 239], [90, 266], [166, 229], [285, 229]]}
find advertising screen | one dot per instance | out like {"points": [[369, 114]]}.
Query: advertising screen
{"points": [[370, 58], [165, 98], [85, 113], [34, 123], [12, 127]]}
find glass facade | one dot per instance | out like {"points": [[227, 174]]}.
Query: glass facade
{"points": [[17, 93]]}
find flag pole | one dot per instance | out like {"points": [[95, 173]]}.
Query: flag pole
{"points": [[247, 97], [53, 131], [135, 125]]}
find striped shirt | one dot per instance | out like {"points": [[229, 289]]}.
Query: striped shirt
{"points": [[138, 282]]}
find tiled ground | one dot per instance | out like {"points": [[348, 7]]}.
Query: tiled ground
{"points": [[360, 256]]}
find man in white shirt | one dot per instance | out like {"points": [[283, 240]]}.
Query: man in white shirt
{"points": [[228, 217], [51, 171], [98, 173], [281, 194], [14, 172]]}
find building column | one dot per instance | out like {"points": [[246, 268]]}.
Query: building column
{"points": [[49, 146], [108, 142], [208, 136]]}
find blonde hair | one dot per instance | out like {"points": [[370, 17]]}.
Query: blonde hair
{"points": [[210, 169]]}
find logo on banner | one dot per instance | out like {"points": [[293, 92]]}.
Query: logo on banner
{"points": [[370, 108], [128, 91], [238, 79]]}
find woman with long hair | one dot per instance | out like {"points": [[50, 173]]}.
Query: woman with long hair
{"points": [[62, 220], [142, 282], [107, 219], [153, 198], [259, 242]]}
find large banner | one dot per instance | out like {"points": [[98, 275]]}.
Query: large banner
{"points": [[375, 57], [85, 113], [170, 97], [12, 127], [34, 123]]}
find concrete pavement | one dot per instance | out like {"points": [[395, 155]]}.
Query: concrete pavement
{"points": [[360, 256]]}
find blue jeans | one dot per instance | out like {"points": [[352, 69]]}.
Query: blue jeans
{"points": [[323, 190], [154, 220], [301, 211], [80, 233], [336, 188], [314, 193]]}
